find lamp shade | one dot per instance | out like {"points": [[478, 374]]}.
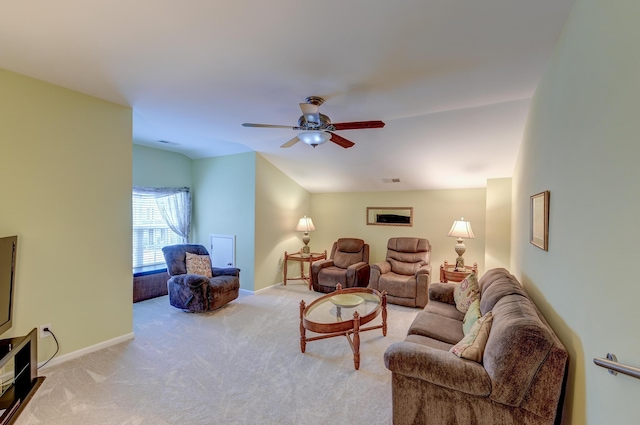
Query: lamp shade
{"points": [[461, 229], [305, 224], [314, 138]]}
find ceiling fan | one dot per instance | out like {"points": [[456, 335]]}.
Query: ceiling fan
{"points": [[317, 128]]}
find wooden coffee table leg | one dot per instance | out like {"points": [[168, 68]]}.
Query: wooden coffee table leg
{"points": [[356, 340], [384, 313], [303, 339]]}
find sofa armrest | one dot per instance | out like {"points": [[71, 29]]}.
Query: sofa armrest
{"points": [[426, 269], [442, 291], [189, 280], [316, 266], [227, 271], [358, 274], [438, 367], [382, 267]]}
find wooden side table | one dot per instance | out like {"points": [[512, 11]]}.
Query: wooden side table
{"points": [[448, 273], [301, 258]]}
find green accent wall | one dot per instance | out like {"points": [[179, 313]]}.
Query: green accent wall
{"points": [[343, 215], [581, 144], [224, 202], [65, 182], [159, 168]]}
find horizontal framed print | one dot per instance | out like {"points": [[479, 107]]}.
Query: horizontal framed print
{"points": [[540, 220], [390, 216]]}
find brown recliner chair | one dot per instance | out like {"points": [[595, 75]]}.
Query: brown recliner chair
{"points": [[406, 274], [347, 265]]}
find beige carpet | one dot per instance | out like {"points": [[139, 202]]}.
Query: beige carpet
{"points": [[239, 365]]}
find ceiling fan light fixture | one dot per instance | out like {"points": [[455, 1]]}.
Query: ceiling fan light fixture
{"points": [[314, 138]]}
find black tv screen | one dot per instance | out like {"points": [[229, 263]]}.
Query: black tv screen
{"points": [[8, 246]]}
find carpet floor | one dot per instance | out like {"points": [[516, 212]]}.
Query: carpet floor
{"points": [[238, 365]]}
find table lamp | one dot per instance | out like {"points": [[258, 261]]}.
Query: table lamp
{"points": [[305, 224], [461, 229]]}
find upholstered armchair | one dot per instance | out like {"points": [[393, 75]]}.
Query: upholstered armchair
{"points": [[347, 265], [406, 273], [190, 288]]}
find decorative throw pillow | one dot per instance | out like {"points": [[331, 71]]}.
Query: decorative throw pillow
{"points": [[199, 264], [466, 292], [471, 347], [472, 315]]}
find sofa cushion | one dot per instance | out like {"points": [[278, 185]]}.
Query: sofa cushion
{"points": [[437, 327], [198, 264], [471, 316], [472, 346], [466, 292], [429, 342], [444, 309], [517, 347], [496, 284]]}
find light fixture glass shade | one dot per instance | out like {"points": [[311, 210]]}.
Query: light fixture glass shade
{"points": [[305, 224], [461, 229], [314, 138]]}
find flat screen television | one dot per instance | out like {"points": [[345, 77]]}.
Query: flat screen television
{"points": [[8, 247]]}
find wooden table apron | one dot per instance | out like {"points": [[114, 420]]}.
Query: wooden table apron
{"points": [[313, 256], [347, 327]]}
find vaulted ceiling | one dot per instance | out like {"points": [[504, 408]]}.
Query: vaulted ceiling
{"points": [[452, 79]]}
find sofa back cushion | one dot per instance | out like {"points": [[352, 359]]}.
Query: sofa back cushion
{"points": [[407, 255], [517, 347], [496, 284], [348, 251]]}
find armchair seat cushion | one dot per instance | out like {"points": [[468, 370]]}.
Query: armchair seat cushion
{"points": [[398, 285], [331, 276]]}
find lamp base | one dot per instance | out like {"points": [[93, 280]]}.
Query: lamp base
{"points": [[459, 264], [305, 249]]}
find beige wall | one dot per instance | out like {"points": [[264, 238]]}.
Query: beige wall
{"points": [[338, 215], [498, 225], [581, 144], [280, 203], [65, 180], [224, 202], [159, 168]]}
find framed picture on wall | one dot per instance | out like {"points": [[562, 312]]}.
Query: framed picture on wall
{"points": [[540, 220]]}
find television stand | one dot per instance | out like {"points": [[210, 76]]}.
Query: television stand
{"points": [[24, 353]]}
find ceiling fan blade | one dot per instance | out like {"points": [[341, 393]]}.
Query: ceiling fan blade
{"points": [[358, 125], [311, 112], [246, 124], [341, 141], [291, 142]]}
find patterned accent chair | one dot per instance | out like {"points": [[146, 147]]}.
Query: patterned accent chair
{"points": [[406, 273], [195, 293], [347, 265]]}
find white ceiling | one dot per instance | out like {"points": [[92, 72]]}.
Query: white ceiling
{"points": [[452, 79]]}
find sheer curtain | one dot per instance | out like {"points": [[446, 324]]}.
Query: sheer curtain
{"points": [[174, 205]]}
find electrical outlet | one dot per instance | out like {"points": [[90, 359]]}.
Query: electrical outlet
{"points": [[41, 329]]}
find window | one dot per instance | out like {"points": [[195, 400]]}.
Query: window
{"points": [[161, 217]]}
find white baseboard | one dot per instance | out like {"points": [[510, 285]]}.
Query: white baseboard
{"points": [[87, 350], [248, 292]]}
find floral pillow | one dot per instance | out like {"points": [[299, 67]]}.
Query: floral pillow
{"points": [[199, 264], [466, 292], [471, 347], [472, 315]]}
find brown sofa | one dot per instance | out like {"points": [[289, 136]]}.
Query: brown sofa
{"points": [[519, 381]]}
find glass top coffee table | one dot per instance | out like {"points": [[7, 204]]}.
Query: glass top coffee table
{"points": [[343, 312]]}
